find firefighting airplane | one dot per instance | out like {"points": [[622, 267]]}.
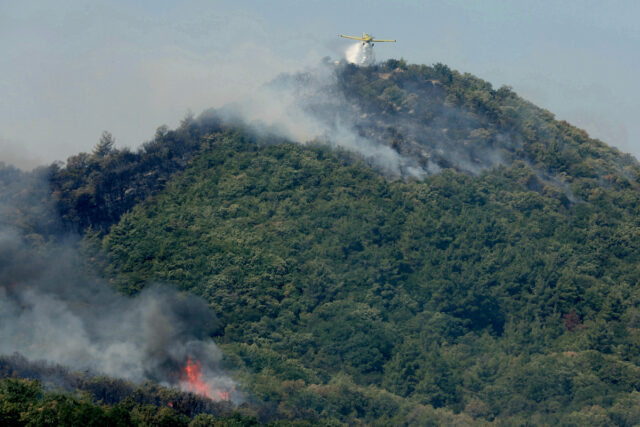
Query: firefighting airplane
{"points": [[365, 39]]}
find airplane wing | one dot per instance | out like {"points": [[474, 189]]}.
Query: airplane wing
{"points": [[351, 37], [378, 41]]}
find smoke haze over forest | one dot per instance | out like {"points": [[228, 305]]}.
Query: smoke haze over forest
{"points": [[55, 309], [73, 70]]}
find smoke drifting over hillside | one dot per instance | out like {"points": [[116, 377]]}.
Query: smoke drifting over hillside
{"points": [[52, 309], [311, 107], [406, 130]]}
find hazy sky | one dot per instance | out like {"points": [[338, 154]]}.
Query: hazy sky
{"points": [[71, 69]]}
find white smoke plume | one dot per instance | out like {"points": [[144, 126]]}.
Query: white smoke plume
{"points": [[309, 107], [408, 130]]}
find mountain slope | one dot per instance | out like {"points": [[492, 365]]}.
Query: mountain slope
{"points": [[406, 120], [492, 294], [436, 118]]}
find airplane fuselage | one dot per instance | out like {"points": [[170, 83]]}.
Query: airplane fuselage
{"points": [[366, 39]]}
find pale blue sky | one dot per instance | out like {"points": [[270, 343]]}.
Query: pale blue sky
{"points": [[71, 69]]}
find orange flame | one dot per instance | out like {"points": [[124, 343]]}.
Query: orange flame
{"points": [[193, 379], [194, 383]]}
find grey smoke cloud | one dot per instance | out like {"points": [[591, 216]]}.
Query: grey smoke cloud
{"points": [[309, 107], [419, 136], [53, 309], [17, 154]]}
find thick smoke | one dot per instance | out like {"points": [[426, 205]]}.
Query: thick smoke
{"points": [[409, 130], [53, 309]]}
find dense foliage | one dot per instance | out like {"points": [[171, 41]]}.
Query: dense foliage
{"points": [[94, 190], [110, 391], [476, 294], [25, 402], [505, 295]]}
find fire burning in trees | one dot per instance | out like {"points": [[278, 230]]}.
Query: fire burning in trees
{"points": [[192, 381]]}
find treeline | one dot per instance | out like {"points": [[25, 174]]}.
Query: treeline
{"points": [[24, 402], [459, 117], [95, 189], [412, 108], [110, 391], [38, 393]]}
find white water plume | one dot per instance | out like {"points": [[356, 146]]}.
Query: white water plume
{"points": [[360, 54]]}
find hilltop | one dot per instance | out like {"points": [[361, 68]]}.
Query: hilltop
{"points": [[404, 120]]}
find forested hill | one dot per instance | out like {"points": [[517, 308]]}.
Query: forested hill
{"points": [[500, 284], [429, 118], [437, 118], [342, 294]]}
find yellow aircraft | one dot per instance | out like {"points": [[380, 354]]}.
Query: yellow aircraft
{"points": [[365, 39]]}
